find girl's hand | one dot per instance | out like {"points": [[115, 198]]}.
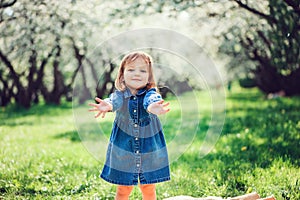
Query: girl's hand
{"points": [[158, 108], [103, 107]]}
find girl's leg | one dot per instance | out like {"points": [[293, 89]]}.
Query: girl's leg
{"points": [[123, 192], [148, 191]]}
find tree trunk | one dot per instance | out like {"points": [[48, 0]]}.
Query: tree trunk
{"points": [[85, 94], [59, 86], [21, 96], [267, 79], [84, 91], [291, 83], [270, 81], [5, 92], [105, 80]]}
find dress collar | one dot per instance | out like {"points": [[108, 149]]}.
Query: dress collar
{"points": [[128, 94]]}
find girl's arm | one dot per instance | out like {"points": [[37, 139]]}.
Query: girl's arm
{"points": [[154, 103], [102, 107], [158, 108], [116, 100], [113, 103]]}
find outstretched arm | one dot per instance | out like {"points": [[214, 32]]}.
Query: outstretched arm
{"points": [[102, 108], [158, 108]]}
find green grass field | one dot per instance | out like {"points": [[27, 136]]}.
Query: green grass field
{"points": [[42, 156]]}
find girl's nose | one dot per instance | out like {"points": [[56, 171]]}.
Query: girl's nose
{"points": [[136, 73]]}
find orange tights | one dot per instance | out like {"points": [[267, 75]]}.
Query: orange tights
{"points": [[148, 192]]}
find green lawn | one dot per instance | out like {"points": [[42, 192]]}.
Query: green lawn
{"points": [[42, 156]]}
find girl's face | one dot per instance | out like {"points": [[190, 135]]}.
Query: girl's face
{"points": [[136, 75]]}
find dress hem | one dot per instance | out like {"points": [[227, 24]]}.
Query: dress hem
{"points": [[136, 182]]}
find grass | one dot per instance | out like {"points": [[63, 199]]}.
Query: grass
{"points": [[42, 156]]}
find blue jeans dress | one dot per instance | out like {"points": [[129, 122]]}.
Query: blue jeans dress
{"points": [[137, 150]]}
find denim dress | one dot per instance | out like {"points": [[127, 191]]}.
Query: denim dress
{"points": [[137, 152]]}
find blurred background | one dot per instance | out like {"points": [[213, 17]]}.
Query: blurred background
{"points": [[46, 45], [54, 52]]}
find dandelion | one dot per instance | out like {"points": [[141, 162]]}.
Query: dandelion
{"points": [[244, 148]]}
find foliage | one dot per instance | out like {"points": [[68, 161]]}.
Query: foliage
{"points": [[270, 37], [43, 48], [261, 39], [44, 60], [42, 157]]}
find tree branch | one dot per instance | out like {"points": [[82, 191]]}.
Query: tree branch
{"points": [[256, 12], [7, 4], [79, 58], [40, 72], [11, 69], [294, 5], [264, 38]]}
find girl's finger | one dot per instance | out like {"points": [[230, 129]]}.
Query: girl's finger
{"points": [[166, 104], [93, 109], [92, 104], [165, 111], [103, 114], [98, 99], [161, 101], [162, 112], [98, 114]]}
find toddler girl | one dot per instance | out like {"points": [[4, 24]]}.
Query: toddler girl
{"points": [[136, 153]]}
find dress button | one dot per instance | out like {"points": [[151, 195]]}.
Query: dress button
{"points": [[137, 165], [136, 138], [137, 152], [134, 98], [134, 110], [135, 125]]}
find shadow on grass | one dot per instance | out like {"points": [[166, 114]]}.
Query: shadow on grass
{"points": [[16, 116], [39, 110], [246, 96], [15, 123], [71, 135], [87, 131], [271, 128], [256, 133]]}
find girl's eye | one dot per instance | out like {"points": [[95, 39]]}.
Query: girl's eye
{"points": [[144, 71], [130, 70]]}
